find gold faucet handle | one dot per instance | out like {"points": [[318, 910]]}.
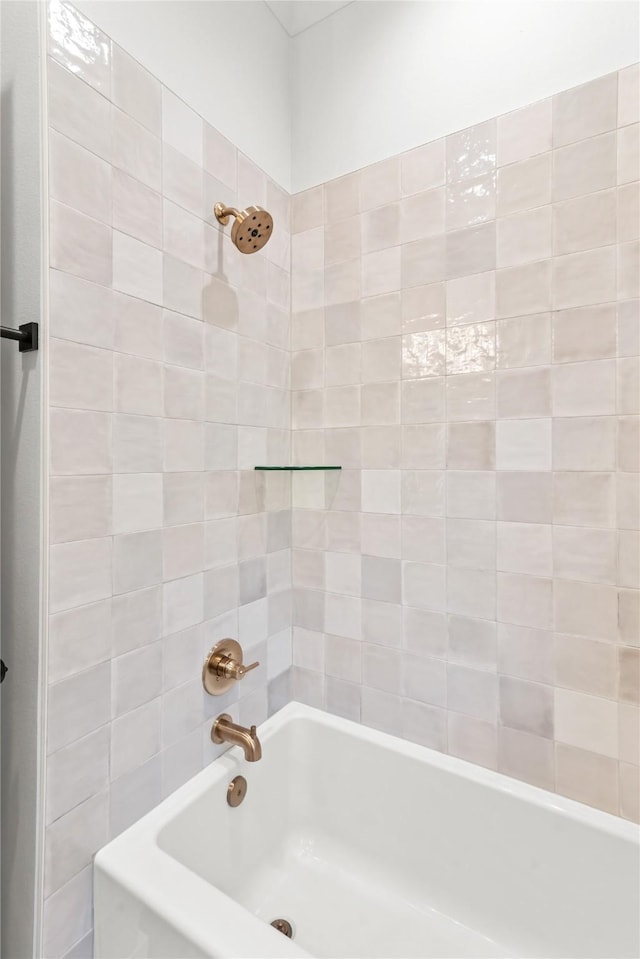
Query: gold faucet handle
{"points": [[241, 671], [223, 667]]}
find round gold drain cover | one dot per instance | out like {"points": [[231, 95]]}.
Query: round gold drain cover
{"points": [[283, 926]]}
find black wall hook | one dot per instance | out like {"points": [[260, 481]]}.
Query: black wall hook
{"points": [[26, 335]]}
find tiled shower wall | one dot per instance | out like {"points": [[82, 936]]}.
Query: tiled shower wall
{"points": [[465, 344], [168, 382]]}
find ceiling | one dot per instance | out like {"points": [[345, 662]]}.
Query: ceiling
{"points": [[296, 15]]}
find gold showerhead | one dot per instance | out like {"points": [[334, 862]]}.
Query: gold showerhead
{"points": [[252, 227]]}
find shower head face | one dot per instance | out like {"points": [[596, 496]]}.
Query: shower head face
{"points": [[252, 229]]}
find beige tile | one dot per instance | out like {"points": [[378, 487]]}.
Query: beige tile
{"points": [[471, 642], [472, 692], [629, 211], [523, 341], [628, 385], [525, 653], [586, 333], [629, 675], [471, 592], [524, 133], [381, 359], [524, 497], [80, 245], [585, 111], [629, 558], [423, 586], [423, 168], [584, 223], [423, 539], [584, 554], [628, 153], [526, 706], [423, 354], [628, 501], [342, 282], [523, 290], [80, 376], [423, 401], [380, 228], [471, 543], [381, 272], [525, 600], [472, 739], [308, 249], [381, 315], [585, 167], [585, 665], [629, 95], [423, 446], [342, 365], [629, 733], [380, 183], [471, 152], [471, 494], [586, 721], [524, 237], [586, 609], [380, 404], [307, 210], [422, 215], [423, 308], [470, 348], [524, 393], [342, 197], [523, 444], [469, 202], [629, 328], [584, 499], [79, 508], [424, 680], [423, 631], [471, 251], [423, 262], [526, 757], [629, 616], [584, 389], [424, 724], [78, 178], [524, 548], [583, 443], [587, 777], [629, 270], [79, 573], [630, 792], [471, 299], [470, 396], [629, 443], [79, 442], [524, 185], [471, 446], [381, 447]]}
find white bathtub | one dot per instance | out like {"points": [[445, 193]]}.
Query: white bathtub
{"points": [[370, 846]]}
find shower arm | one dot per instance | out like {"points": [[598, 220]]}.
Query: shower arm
{"points": [[223, 213], [26, 336]]}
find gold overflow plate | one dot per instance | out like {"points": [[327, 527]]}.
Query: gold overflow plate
{"points": [[223, 666]]}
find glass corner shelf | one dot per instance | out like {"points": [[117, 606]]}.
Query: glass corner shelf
{"points": [[295, 469]]}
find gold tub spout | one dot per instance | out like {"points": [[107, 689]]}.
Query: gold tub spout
{"points": [[224, 730]]}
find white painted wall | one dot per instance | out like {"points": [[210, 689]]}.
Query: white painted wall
{"points": [[230, 61], [377, 78], [21, 538]]}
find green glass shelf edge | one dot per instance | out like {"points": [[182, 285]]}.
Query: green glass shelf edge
{"points": [[296, 469]]}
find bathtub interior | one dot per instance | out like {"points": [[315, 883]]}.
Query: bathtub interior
{"points": [[371, 849]]}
